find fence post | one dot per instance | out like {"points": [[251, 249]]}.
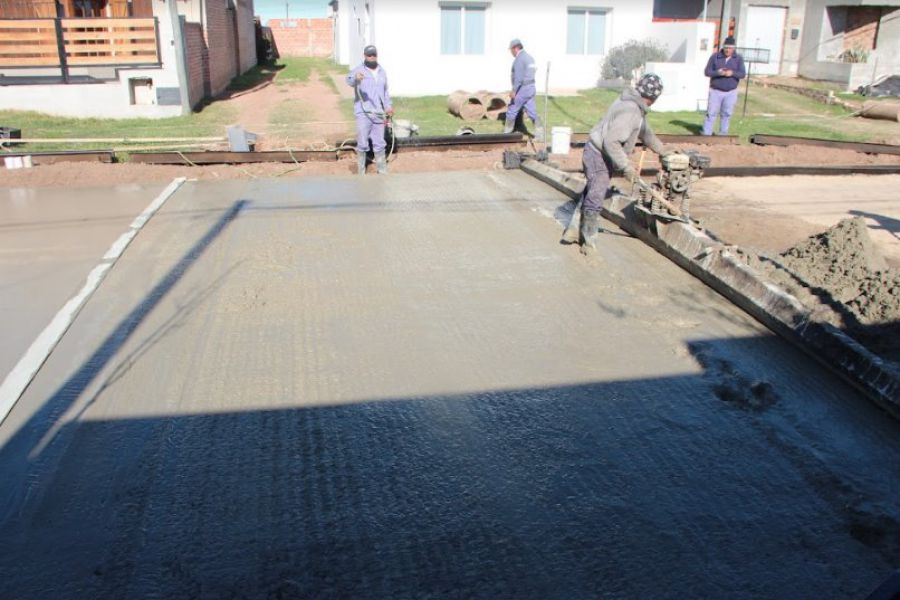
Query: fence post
{"points": [[61, 50]]}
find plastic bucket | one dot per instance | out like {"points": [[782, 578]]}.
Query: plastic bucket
{"points": [[561, 137]]}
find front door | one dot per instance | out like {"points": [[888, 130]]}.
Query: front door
{"points": [[765, 29]]}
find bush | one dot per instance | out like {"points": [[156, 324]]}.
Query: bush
{"points": [[621, 61]]}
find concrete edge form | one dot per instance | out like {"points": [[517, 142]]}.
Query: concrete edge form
{"points": [[20, 377], [715, 264]]}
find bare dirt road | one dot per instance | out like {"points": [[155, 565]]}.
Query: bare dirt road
{"points": [[404, 386]]}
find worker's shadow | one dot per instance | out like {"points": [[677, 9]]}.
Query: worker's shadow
{"points": [[888, 224], [694, 128]]}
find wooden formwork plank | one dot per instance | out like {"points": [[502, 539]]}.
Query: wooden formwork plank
{"points": [[108, 36]]}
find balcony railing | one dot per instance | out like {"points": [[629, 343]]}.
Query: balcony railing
{"points": [[65, 43]]}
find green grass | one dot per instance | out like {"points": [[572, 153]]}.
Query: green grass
{"points": [[768, 111], [209, 122], [298, 69]]}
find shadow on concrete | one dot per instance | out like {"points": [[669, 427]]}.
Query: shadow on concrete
{"points": [[692, 484], [32, 443], [885, 223]]}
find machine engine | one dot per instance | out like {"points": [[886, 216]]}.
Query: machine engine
{"points": [[679, 171]]}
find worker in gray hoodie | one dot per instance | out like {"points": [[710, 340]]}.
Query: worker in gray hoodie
{"points": [[611, 142]]}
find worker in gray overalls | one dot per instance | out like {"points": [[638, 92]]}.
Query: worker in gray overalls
{"points": [[523, 91], [372, 109], [611, 142]]}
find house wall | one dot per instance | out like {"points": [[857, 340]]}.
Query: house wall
{"points": [[246, 34], [408, 39], [303, 37], [221, 43], [198, 62], [690, 44], [794, 22], [355, 28], [823, 39]]}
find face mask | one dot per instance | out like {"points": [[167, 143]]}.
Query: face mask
{"points": [[371, 63]]}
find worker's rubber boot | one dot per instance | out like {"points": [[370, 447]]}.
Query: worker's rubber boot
{"points": [[538, 130], [571, 234], [590, 227], [360, 163], [509, 127], [380, 163]]}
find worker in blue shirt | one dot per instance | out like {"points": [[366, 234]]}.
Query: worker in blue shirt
{"points": [[523, 91], [724, 69], [372, 108]]}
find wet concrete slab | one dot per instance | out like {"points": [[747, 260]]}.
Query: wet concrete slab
{"points": [[405, 386], [50, 238]]}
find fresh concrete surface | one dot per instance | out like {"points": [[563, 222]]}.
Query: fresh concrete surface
{"points": [[404, 386], [50, 238]]}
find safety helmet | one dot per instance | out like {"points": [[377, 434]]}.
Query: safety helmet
{"points": [[649, 86]]}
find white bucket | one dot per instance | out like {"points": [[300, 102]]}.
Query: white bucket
{"points": [[561, 138]]}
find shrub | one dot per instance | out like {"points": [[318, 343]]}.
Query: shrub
{"points": [[621, 61], [854, 55]]}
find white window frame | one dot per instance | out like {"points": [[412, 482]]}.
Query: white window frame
{"points": [[462, 25], [585, 11]]}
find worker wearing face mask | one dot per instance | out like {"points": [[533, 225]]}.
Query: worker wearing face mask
{"points": [[372, 109]]}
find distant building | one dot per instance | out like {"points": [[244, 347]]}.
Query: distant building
{"points": [[117, 58]]}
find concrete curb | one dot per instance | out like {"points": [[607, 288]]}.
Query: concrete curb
{"points": [[716, 265]]}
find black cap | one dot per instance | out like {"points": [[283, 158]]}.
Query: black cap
{"points": [[370, 51], [729, 41]]}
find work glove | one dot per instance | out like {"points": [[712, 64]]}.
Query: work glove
{"points": [[631, 174], [667, 152]]}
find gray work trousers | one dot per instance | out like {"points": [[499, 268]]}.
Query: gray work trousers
{"points": [[598, 170]]}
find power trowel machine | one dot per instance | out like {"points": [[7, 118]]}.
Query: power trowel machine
{"points": [[669, 196]]}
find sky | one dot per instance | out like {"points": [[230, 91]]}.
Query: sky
{"points": [[296, 9]]}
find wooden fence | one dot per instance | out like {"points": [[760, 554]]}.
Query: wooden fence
{"points": [[67, 43]]}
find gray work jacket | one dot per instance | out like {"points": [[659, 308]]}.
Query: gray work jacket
{"points": [[618, 132]]}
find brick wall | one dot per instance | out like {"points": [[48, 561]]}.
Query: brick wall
{"points": [[198, 62], [246, 31], [862, 27], [303, 37], [220, 51], [220, 43]]}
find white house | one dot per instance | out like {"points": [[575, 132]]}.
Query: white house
{"points": [[436, 46]]}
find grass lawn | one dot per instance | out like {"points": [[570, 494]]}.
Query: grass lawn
{"points": [[768, 111], [298, 70]]}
